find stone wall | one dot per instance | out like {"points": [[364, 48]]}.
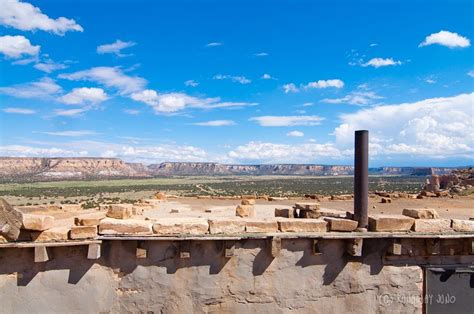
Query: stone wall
{"points": [[250, 281]]}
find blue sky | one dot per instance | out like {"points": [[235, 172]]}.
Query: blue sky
{"points": [[238, 81]]}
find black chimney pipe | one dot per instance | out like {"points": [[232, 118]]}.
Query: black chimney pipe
{"points": [[361, 178]]}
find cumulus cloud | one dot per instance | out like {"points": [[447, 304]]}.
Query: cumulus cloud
{"points": [[43, 88], [116, 48], [84, 95], [267, 76], [71, 133], [271, 121], [15, 47], [446, 38], [233, 78], [49, 66], [112, 77], [359, 98], [435, 128], [19, 110], [216, 123], [290, 88], [295, 134], [191, 83], [173, 102], [320, 84], [26, 17], [381, 62]]}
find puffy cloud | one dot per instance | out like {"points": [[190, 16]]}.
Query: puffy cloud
{"points": [[216, 123], [290, 88], [287, 120], [112, 77], [435, 128], [84, 95], [43, 88], [277, 153], [267, 76], [381, 62], [295, 134], [49, 66], [445, 38], [214, 44], [173, 102], [71, 133], [17, 46], [26, 17], [115, 48], [19, 110], [471, 73], [191, 83], [237, 79], [359, 98], [334, 83]]}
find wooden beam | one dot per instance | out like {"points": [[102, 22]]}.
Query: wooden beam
{"points": [[93, 251], [41, 254]]}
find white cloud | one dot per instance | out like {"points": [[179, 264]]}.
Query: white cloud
{"points": [[278, 153], [287, 120], [430, 81], [267, 76], [173, 102], [43, 88], [70, 112], [359, 98], [112, 77], [84, 95], [214, 44], [307, 104], [290, 88], [216, 123], [373, 45], [28, 151], [19, 110], [49, 66], [191, 83], [433, 128], [233, 78], [295, 134], [333, 83], [71, 133], [17, 46], [116, 48], [471, 73], [381, 62], [261, 54], [26, 17], [448, 39]]}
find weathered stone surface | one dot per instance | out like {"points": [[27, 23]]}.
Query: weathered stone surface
{"points": [[160, 196], [285, 212], [461, 225], [83, 232], [168, 226], [87, 221], [53, 234], [302, 225], [308, 206], [327, 212], [112, 226], [385, 200], [309, 214], [343, 197], [226, 225], [339, 224], [249, 201], [37, 222], [10, 221], [248, 196], [245, 211], [2, 239], [119, 211], [260, 225], [432, 225], [421, 213], [390, 223]]}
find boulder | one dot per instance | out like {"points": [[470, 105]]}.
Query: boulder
{"points": [[37, 222], [432, 225], [226, 226], [285, 212], [421, 213], [308, 206], [87, 221], [245, 211], [309, 214], [460, 225], [160, 196], [385, 200], [119, 211], [51, 235], [111, 226], [249, 201], [83, 232], [260, 225], [11, 221], [339, 224], [301, 225], [390, 223], [2, 239], [170, 226]]}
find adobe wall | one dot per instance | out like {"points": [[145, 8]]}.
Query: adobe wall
{"points": [[251, 281]]}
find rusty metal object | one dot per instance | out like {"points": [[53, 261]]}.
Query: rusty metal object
{"points": [[361, 178]]}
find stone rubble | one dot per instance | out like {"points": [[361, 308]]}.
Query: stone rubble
{"points": [[421, 213], [176, 226], [83, 232], [340, 224], [432, 225], [111, 226], [37, 222], [390, 223]]}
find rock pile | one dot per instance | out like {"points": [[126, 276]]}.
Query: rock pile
{"points": [[444, 185], [246, 207]]}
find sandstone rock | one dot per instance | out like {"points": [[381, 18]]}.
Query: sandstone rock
{"points": [[53, 234], [119, 211], [421, 213], [248, 201], [308, 206], [10, 221], [87, 221], [137, 210], [277, 198], [327, 212], [385, 200], [343, 197], [461, 225], [390, 223], [444, 193], [339, 224], [83, 232], [226, 225], [245, 211], [169, 226], [111, 226], [260, 225], [309, 214], [427, 194], [432, 225], [285, 212], [37, 222], [2, 239], [302, 225], [160, 196]]}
